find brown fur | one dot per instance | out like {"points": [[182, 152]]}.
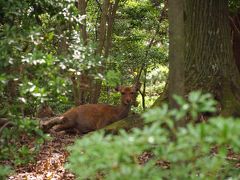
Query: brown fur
{"points": [[90, 117]]}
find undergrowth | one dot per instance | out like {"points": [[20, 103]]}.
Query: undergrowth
{"points": [[19, 143], [189, 153]]}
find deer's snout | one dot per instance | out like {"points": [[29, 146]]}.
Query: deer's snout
{"points": [[128, 101]]}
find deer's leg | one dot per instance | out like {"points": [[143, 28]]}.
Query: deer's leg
{"points": [[62, 127], [65, 124], [50, 123]]}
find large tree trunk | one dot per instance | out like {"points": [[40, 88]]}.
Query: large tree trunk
{"points": [[235, 27], [176, 50], [209, 62]]}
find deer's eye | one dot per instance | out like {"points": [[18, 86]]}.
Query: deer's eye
{"points": [[132, 93], [123, 93]]}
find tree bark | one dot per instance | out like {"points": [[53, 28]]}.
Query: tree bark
{"points": [[132, 121], [82, 83], [104, 41], [82, 5], [102, 27], [209, 60], [111, 17], [87, 89], [235, 27], [176, 50]]}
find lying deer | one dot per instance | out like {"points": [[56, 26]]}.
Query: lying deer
{"points": [[90, 117]]}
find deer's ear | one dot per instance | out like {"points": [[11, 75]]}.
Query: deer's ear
{"points": [[137, 86], [118, 88]]}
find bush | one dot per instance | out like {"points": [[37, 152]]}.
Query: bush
{"points": [[13, 140], [4, 171], [116, 157]]}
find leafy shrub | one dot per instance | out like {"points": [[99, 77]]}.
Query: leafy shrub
{"points": [[190, 157], [4, 171], [13, 141]]}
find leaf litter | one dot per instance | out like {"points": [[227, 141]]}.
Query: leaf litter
{"points": [[49, 164]]}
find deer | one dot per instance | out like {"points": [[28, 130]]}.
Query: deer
{"points": [[90, 117]]}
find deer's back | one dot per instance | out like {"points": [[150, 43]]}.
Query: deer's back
{"points": [[90, 117]]}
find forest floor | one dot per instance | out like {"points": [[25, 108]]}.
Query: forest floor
{"points": [[50, 161]]}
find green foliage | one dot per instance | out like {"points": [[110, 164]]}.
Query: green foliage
{"points": [[94, 152], [234, 6], [135, 27], [112, 78], [4, 171], [41, 48], [31, 56], [13, 141], [110, 81], [116, 157]]}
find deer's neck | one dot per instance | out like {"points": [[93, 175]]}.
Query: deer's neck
{"points": [[123, 110]]}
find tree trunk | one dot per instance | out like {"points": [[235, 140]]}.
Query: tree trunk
{"points": [[102, 27], [97, 84], [176, 50], [132, 121], [89, 89], [235, 27], [209, 61], [82, 83], [111, 17], [82, 5], [104, 42]]}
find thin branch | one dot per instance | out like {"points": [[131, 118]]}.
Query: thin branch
{"points": [[5, 125], [161, 18], [234, 25], [99, 5]]}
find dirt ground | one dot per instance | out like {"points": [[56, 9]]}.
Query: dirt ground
{"points": [[49, 163]]}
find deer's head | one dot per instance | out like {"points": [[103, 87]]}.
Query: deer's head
{"points": [[128, 94]]}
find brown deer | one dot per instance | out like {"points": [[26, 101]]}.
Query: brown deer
{"points": [[90, 117]]}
